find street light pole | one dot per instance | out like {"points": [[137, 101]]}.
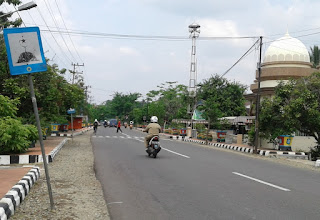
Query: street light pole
{"points": [[23, 7]]}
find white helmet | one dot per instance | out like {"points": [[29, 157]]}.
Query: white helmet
{"points": [[154, 119], [95, 120]]}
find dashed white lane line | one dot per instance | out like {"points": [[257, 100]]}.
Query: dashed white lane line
{"points": [[110, 203], [175, 152], [263, 182]]}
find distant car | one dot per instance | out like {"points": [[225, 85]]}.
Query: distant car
{"points": [[113, 123]]}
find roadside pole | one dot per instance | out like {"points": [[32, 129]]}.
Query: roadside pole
{"points": [[71, 111], [72, 127], [257, 130], [20, 42], [36, 113]]}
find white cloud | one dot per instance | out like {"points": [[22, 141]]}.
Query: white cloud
{"points": [[128, 51]]}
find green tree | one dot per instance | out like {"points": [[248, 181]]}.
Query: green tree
{"points": [[169, 102], [8, 107], [314, 56], [221, 98], [295, 107]]}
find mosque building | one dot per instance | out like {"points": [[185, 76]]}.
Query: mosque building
{"points": [[286, 58]]}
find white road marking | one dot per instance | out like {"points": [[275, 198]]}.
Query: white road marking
{"points": [[115, 136], [121, 136], [175, 152], [263, 182], [100, 136], [107, 136], [110, 203]]}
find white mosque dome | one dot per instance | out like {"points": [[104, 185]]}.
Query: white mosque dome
{"points": [[286, 49]]}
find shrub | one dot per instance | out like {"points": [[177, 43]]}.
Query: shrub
{"points": [[315, 152], [14, 136], [33, 132]]}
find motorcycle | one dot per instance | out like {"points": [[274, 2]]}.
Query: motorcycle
{"points": [[131, 126], [153, 147]]}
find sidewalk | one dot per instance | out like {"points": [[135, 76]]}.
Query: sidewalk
{"points": [[19, 171]]}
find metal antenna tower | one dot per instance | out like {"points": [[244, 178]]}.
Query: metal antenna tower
{"points": [[194, 30]]}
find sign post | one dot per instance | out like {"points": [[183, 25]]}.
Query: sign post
{"points": [[71, 111], [25, 56]]}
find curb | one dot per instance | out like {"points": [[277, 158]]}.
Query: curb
{"points": [[15, 196], [266, 153], [69, 135], [26, 159]]}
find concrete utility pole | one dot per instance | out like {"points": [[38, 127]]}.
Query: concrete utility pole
{"points": [[74, 70], [257, 140]]}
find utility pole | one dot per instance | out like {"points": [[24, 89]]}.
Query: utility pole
{"points": [[74, 70], [86, 101], [257, 140]]}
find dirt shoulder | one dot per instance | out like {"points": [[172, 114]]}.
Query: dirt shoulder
{"points": [[77, 193]]}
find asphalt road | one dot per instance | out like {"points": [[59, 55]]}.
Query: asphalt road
{"points": [[188, 181]]}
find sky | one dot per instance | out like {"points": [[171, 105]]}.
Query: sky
{"points": [[130, 64]]}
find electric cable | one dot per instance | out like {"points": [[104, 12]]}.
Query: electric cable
{"points": [[44, 38], [68, 31], [53, 36], [244, 55], [55, 22]]}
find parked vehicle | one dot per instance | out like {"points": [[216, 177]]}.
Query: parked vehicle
{"points": [[113, 123]]}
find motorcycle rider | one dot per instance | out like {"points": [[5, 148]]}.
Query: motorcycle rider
{"points": [[131, 124], [153, 129], [95, 125], [105, 123]]}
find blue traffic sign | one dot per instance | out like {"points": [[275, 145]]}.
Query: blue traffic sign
{"points": [[24, 50], [71, 111]]}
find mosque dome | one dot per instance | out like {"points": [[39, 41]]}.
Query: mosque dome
{"points": [[286, 49]]}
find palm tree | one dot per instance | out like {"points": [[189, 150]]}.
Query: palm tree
{"points": [[314, 56]]}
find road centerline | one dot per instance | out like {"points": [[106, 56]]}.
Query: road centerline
{"points": [[261, 181]]}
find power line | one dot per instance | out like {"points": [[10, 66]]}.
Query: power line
{"points": [[68, 31], [55, 22], [47, 41], [141, 37], [53, 36], [245, 54]]}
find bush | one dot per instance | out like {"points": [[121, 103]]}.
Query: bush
{"points": [[14, 136], [251, 135], [315, 153], [33, 132]]}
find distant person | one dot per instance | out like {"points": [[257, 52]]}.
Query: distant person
{"points": [[119, 126]]}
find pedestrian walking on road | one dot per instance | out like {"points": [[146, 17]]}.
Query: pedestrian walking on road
{"points": [[119, 126]]}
